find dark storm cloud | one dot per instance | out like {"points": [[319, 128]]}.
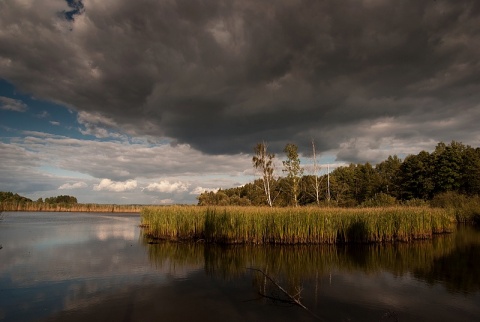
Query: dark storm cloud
{"points": [[222, 76]]}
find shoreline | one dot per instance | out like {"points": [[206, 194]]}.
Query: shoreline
{"points": [[72, 208]]}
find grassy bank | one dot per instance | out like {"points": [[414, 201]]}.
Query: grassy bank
{"points": [[259, 225], [36, 206]]}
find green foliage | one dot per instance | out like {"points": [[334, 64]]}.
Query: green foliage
{"points": [[448, 162], [454, 167], [470, 180], [10, 197], [294, 171], [308, 193], [263, 162], [380, 200], [221, 198], [388, 172], [354, 184], [61, 199], [451, 167], [416, 177], [466, 209], [342, 185]]}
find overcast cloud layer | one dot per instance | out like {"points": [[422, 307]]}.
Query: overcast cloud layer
{"points": [[365, 79]]}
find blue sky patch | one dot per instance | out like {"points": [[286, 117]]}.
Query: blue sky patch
{"points": [[39, 116], [77, 8]]}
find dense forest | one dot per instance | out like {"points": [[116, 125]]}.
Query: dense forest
{"points": [[452, 169]]}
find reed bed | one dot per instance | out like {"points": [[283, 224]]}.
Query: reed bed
{"points": [[64, 207], [257, 225]]}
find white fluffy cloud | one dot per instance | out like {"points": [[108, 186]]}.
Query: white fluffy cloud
{"points": [[76, 185], [199, 190], [166, 186], [115, 186]]}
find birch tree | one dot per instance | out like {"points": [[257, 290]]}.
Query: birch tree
{"points": [[263, 162], [293, 169], [315, 172]]}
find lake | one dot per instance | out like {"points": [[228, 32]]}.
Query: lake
{"points": [[98, 267]]}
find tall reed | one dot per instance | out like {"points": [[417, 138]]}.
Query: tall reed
{"points": [[258, 225]]}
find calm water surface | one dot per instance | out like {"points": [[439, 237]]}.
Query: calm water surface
{"points": [[98, 267]]}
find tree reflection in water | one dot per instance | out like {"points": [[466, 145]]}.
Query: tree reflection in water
{"points": [[450, 261]]}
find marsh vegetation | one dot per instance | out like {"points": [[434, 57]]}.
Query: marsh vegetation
{"points": [[307, 225]]}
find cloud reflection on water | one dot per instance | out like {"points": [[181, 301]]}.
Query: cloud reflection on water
{"points": [[92, 266]]}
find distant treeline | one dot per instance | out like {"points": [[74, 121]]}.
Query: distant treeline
{"points": [[15, 202], [60, 199], [450, 169], [10, 197]]}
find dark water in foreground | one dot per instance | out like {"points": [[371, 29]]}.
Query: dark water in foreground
{"points": [[97, 267]]}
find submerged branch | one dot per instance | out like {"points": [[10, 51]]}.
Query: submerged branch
{"points": [[293, 299]]}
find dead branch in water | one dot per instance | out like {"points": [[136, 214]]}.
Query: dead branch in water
{"points": [[292, 299]]}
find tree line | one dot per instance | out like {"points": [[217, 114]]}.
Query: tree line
{"points": [[10, 197], [450, 168]]}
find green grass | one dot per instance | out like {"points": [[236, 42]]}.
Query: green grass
{"points": [[259, 225]]}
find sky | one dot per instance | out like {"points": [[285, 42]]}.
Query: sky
{"points": [[153, 102]]}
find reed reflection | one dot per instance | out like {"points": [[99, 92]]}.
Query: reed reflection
{"points": [[451, 260]]}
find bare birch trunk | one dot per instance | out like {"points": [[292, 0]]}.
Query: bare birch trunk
{"points": [[315, 173], [263, 161]]}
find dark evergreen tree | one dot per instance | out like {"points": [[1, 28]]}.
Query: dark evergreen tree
{"points": [[448, 164], [470, 181], [388, 172], [293, 170], [416, 177], [343, 185]]}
